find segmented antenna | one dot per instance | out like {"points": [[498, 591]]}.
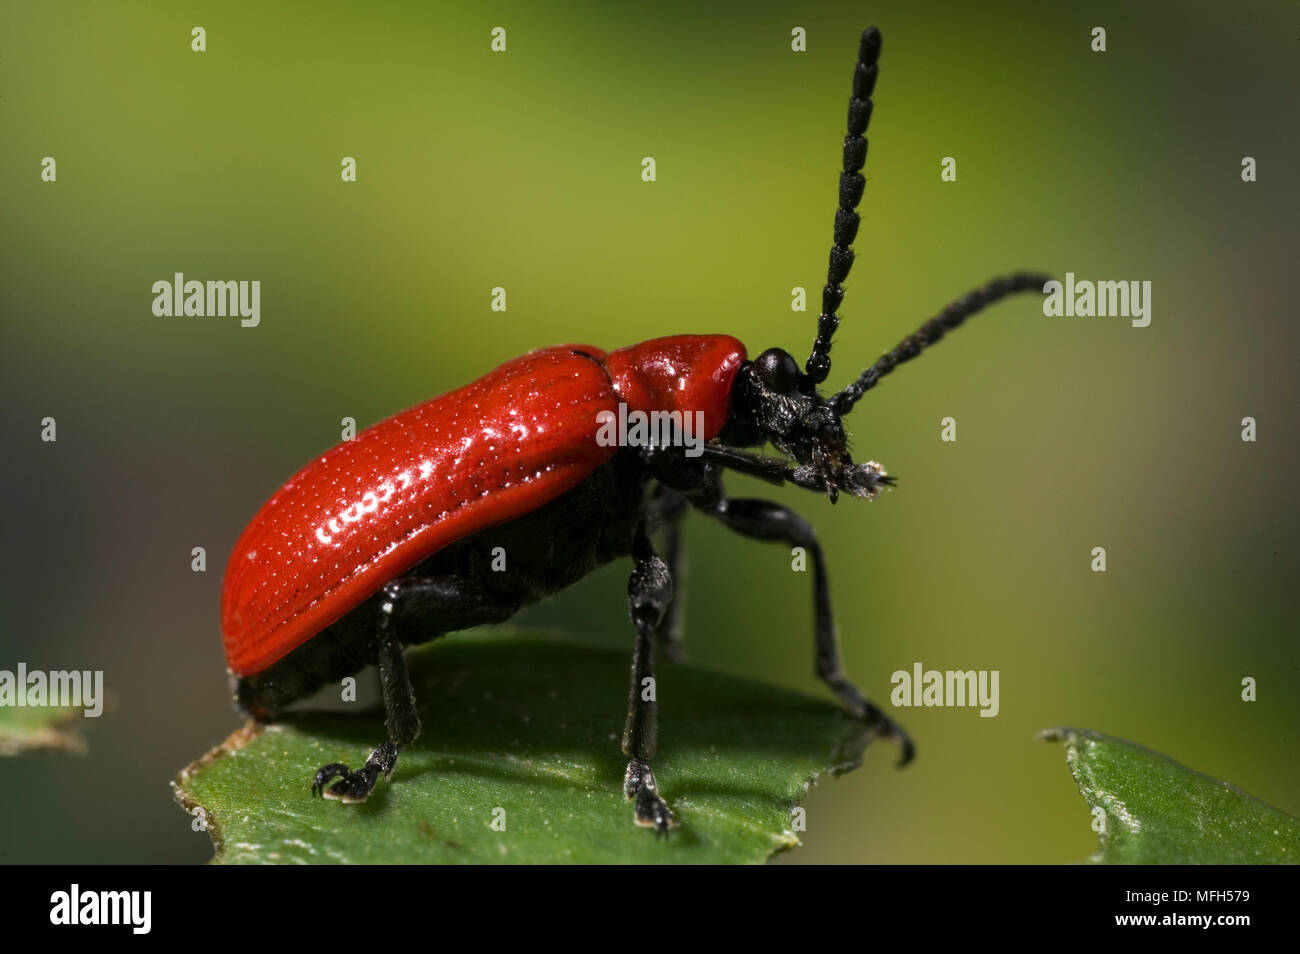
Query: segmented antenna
{"points": [[846, 216], [934, 329]]}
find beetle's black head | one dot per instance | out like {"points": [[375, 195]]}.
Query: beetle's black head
{"points": [[773, 401]]}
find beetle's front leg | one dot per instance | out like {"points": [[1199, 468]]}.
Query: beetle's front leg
{"points": [[763, 520], [649, 592]]}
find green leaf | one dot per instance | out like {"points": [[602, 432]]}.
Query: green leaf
{"points": [[532, 726], [1160, 812], [40, 728]]}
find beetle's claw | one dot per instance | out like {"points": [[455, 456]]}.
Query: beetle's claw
{"points": [[907, 751], [326, 774], [886, 728], [879, 725]]}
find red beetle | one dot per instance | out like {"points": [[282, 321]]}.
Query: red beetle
{"points": [[389, 539]]}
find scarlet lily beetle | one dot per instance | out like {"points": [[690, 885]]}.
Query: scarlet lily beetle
{"points": [[387, 540]]}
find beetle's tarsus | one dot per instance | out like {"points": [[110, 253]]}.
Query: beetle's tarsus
{"points": [[888, 729], [355, 787], [883, 727], [651, 811]]}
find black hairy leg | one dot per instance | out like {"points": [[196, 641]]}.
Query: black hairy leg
{"points": [[649, 593], [445, 602]]}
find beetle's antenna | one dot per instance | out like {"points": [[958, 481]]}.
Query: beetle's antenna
{"points": [[846, 216], [934, 329]]}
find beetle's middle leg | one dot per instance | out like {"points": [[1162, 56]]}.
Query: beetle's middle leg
{"points": [[449, 603], [649, 593]]}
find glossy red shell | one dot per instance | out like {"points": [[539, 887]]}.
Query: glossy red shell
{"points": [[371, 508], [685, 373]]}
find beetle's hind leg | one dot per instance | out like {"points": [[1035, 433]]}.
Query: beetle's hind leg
{"points": [[649, 593], [447, 603], [403, 721], [355, 787]]}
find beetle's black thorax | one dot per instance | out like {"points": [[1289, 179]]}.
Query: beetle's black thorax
{"points": [[497, 571]]}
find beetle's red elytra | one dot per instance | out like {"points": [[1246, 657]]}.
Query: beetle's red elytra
{"points": [[391, 539], [368, 510]]}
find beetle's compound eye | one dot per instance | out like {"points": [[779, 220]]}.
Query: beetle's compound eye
{"points": [[778, 371]]}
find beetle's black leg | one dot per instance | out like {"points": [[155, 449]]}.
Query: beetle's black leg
{"points": [[399, 706], [774, 470], [700, 480], [764, 520], [447, 603], [670, 507], [649, 592], [861, 480]]}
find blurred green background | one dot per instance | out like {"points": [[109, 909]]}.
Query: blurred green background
{"points": [[522, 170]]}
